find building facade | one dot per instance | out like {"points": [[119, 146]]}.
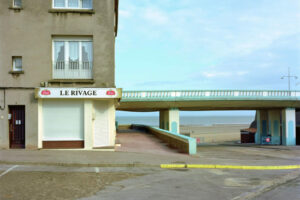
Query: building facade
{"points": [[57, 73]]}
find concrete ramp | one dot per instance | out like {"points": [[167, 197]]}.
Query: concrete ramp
{"points": [[131, 140]]}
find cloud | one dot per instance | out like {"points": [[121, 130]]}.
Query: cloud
{"points": [[226, 33], [215, 74], [158, 83], [155, 16], [251, 19], [245, 44], [125, 13], [242, 73], [222, 74]]}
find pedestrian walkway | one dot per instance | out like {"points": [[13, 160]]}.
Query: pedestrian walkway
{"points": [[141, 142], [212, 155]]}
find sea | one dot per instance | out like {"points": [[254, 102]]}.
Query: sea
{"points": [[188, 120]]}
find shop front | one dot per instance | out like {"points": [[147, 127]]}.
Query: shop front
{"points": [[77, 117]]}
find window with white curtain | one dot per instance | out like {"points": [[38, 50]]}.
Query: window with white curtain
{"points": [[73, 4], [72, 58], [17, 3], [17, 63]]}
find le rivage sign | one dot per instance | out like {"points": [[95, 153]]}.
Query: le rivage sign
{"points": [[77, 92]]}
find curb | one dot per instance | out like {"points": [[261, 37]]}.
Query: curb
{"points": [[244, 167], [128, 165], [162, 166]]}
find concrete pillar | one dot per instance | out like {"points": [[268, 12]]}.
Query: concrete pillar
{"points": [[174, 120], [274, 125], [262, 125], [257, 134], [166, 120], [289, 127], [162, 119], [169, 120], [88, 124]]}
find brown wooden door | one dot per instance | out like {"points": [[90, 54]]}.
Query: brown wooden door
{"points": [[17, 127]]}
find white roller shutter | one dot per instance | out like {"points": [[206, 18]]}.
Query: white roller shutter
{"points": [[63, 120]]}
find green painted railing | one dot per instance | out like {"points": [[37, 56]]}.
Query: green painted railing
{"points": [[196, 94]]}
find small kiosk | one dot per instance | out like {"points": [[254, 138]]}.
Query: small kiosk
{"points": [[77, 117]]}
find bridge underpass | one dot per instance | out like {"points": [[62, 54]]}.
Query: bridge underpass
{"points": [[275, 110], [208, 127]]}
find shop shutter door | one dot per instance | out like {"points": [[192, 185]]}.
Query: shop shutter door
{"points": [[63, 120], [101, 124]]}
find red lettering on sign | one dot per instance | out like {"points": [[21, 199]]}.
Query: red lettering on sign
{"points": [[110, 92], [46, 92]]}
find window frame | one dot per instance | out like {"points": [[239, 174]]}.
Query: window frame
{"points": [[14, 69], [66, 41], [66, 47], [72, 8], [16, 6]]}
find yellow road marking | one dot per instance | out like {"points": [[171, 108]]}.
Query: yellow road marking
{"points": [[166, 166], [198, 166]]}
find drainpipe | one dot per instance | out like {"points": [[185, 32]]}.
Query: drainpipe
{"points": [[3, 107]]}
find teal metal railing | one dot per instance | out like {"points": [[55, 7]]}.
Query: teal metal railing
{"points": [[129, 95]]}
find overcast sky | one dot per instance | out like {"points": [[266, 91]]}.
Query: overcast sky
{"points": [[207, 44]]}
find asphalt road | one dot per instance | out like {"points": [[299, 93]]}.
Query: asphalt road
{"points": [[88, 183], [69, 175], [289, 190]]}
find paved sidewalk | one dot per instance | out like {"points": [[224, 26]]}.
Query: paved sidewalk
{"points": [[81, 157], [218, 154]]}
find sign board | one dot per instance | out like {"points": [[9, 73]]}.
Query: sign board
{"points": [[266, 140], [77, 93]]}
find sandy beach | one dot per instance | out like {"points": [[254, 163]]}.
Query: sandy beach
{"points": [[214, 133]]}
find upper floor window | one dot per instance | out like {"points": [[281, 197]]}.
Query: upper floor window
{"points": [[17, 63], [72, 58], [73, 4], [17, 3]]}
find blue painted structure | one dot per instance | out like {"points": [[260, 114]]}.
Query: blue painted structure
{"points": [[291, 139], [276, 132], [192, 141], [174, 127], [289, 127]]}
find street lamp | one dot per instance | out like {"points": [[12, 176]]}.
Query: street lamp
{"points": [[289, 78]]}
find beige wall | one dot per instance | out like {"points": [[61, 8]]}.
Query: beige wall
{"points": [[28, 33], [21, 97]]}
